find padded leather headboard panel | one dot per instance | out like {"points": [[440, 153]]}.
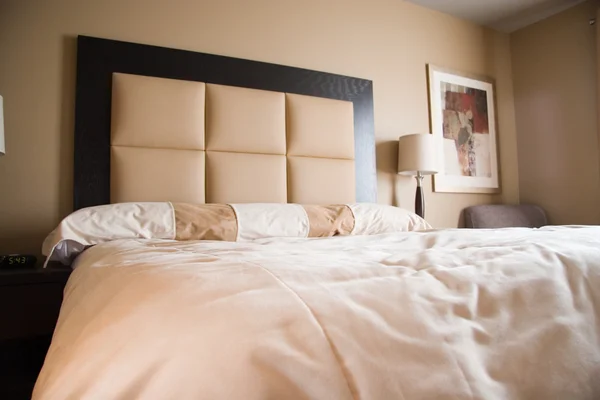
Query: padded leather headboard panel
{"points": [[187, 141]]}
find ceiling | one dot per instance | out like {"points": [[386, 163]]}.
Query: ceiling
{"points": [[503, 15]]}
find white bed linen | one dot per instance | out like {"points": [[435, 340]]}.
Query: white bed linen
{"points": [[451, 314]]}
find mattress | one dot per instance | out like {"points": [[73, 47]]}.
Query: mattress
{"points": [[446, 314]]}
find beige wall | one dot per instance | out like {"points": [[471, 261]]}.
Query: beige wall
{"points": [[388, 41], [554, 73]]}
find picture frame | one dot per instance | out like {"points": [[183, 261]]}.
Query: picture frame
{"points": [[462, 111]]}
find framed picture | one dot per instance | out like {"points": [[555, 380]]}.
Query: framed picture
{"points": [[463, 120]]}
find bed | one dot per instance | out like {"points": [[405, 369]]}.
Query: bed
{"points": [[243, 255]]}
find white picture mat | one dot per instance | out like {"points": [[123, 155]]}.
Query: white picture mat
{"points": [[454, 183]]}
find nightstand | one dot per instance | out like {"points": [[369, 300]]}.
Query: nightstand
{"points": [[30, 300]]}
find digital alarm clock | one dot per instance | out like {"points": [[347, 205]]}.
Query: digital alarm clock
{"points": [[11, 261]]}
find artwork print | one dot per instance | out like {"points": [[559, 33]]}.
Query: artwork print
{"points": [[466, 124], [463, 121]]}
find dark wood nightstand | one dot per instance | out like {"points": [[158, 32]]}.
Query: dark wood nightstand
{"points": [[30, 300]]}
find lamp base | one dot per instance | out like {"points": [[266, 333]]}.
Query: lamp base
{"points": [[419, 197]]}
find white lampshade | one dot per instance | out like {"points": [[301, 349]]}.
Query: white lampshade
{"points": [[416, 153], [2, 148]]}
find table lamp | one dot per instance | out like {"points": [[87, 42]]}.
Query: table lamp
{"points": [[416, 157], [2, 148]]}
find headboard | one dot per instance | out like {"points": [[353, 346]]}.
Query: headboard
{"points": [[159, 124]]}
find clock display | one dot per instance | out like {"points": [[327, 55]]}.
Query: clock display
{"points": [[17, 260]]}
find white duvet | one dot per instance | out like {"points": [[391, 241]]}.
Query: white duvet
{"points": [[452, 314]]}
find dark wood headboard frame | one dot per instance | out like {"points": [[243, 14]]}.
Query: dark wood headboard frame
{"points": [[97, 59]]}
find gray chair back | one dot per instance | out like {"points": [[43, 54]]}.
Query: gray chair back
{"points": [[505, 216]]}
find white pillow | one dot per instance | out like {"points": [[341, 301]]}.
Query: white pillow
{"points": [[232, 222]]}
